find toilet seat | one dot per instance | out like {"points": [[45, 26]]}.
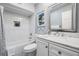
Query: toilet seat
{"points": [[30, 47]]}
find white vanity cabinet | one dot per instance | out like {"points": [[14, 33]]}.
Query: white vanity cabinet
{"points": [[59, 51], [42, 48], [50, 48]]}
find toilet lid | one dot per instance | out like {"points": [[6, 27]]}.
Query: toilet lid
{"points": [[30, 47]]}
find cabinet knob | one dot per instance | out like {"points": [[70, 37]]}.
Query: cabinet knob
{"points": [[59, 52], [46, 46]]}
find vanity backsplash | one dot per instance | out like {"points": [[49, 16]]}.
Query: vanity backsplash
{"points": [[67, 34]]}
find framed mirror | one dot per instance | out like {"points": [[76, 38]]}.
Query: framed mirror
{"points": [[63, 17]]}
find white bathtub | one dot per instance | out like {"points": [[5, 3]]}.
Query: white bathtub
{"points": [[17, 47]]}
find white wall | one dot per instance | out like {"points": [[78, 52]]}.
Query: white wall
{"points": [[15, 35], [32, 24], [43, 7], [28, 6]]}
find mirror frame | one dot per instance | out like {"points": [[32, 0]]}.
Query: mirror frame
{"points": [[73, 15]]}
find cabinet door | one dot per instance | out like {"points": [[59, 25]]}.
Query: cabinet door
{"points": [[53, 51], [42, 48]]}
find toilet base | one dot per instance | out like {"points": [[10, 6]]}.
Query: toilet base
{"points": [[31, 53]]}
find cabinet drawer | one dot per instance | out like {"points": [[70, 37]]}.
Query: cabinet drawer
{"points": [[61, 51]]}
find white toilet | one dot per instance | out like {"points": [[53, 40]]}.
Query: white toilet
{"points": [[30, 50]]}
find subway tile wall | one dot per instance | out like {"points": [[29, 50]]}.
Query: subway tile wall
{"points": [[15, 36]]}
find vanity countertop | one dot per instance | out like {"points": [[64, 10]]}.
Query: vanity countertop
{"points": [[70, 41]]}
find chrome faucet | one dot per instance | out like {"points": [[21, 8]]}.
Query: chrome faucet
{"points": [[62, 34]]}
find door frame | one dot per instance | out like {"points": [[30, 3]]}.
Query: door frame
{"points": [[2, 29]]}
